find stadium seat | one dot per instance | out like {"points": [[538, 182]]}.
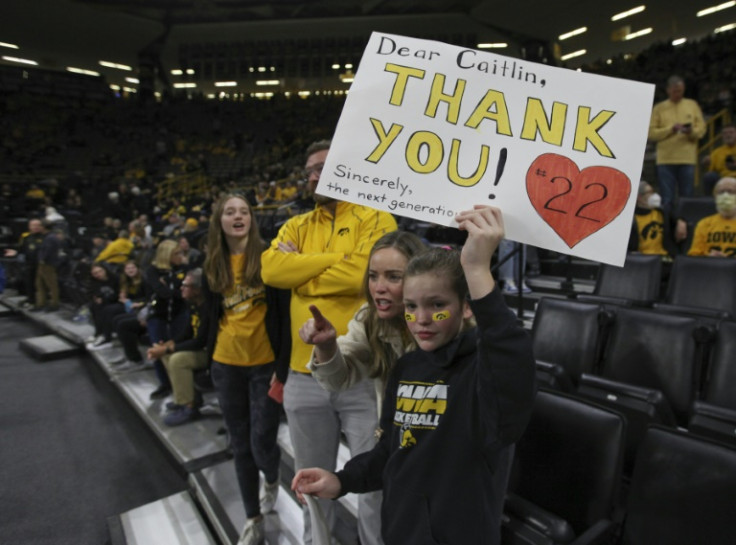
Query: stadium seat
{"points": [[567, 337], [683, 491], [566, 475], [714, 414], [702, 286], [636, 283], [650, 370], [692, 210]]}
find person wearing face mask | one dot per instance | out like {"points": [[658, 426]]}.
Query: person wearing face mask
{"points": [[715, 236], [653, 231]]}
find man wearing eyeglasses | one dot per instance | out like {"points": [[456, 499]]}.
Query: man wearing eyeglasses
{"points": [[322, 256]]}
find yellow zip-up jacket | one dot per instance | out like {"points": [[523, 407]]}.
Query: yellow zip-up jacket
{"points": [[118, 251], [328, 268]]}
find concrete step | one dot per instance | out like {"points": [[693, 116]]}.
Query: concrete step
{"points": [[48, 347], [174, 520]]}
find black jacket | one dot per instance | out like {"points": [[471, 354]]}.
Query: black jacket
{"points": [[449, 418]]}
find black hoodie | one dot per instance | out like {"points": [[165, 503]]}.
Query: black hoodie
{"points": [[449, 419]]}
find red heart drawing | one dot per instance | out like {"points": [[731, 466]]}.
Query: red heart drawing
{"points": [[575, 203]]}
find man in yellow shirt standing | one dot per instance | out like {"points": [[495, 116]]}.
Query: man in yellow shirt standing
{"points": [[322, 256], [676, 126], [715, 235], [722, 161]]}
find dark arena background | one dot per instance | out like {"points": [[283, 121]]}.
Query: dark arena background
{"points": [[125, 119]]}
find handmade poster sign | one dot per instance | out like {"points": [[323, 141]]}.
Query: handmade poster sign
{"points": [[430, 129]]}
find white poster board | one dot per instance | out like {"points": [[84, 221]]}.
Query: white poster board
{"points": [[430, 129]]}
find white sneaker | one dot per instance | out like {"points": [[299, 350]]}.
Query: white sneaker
{"points": [[253, 533], [91, 339], [99, 344], [127, 367], [269, 493]]}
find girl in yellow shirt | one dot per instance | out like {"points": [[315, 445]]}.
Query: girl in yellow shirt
{"points": [[249, 338]]}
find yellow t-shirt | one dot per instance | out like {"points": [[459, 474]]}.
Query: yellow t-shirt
{"points": [[714, 233], [242, 338], [650, 228]]}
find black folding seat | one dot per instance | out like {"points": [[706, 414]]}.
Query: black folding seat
{"points": [[650, 370], [715, 413], [702, 286], [567, 336], [637, 283], [566, 474], [683, 491]]}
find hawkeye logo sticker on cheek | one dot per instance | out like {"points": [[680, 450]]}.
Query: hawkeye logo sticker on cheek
{"points": [[441, 315], [419, 406]]}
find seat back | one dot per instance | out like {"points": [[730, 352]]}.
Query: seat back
{"points": [[692, 210], [568, 462], [657, 351], [567, 332], [703, 282], [683, 491], [720, 386], [637, 281]]}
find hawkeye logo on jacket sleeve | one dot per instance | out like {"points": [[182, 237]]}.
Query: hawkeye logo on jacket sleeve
{"points": [[419, 405]]}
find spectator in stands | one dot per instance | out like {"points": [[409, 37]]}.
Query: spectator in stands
{"points": [[676, 126], [118, 251], [131, 297], [249, 349], [50, 256], [181, 357], [112, 206], [377, 335], [27, 252], [104, 290], [175, 225], [321, 256], [715, 235], [438, 459], [193, 256], [169, 314], [721, 163], [508, 272], [653, 230]]}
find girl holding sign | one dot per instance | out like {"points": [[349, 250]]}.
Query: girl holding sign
{"points": [[453, 407]]}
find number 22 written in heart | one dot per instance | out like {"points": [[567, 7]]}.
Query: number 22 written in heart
{"points": [[575, 203]]}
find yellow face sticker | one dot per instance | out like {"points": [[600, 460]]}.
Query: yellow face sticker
{"points": [[441, 315], [409, 317]]}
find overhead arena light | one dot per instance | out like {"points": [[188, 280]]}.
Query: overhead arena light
{"points": [[115, 65], [572, 33], [725, 28], [628, 13], [132, 80], [578, 53], [713, 9], [9, 46], [491, 45], [638, 33], [184, 85], [263, 82], [226, 83], [82, 71], [177, 72], [679, 41], [20, 61]]}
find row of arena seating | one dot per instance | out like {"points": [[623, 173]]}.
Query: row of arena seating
{"points": [[566, 485]]}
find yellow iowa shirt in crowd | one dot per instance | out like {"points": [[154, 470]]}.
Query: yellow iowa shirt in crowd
{"points": [[242, 338], [676, 148], [714, 233], [718, 161], [650, 228], [328, 268]]}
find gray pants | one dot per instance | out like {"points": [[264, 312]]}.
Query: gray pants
{"points": [[316, 418]]}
